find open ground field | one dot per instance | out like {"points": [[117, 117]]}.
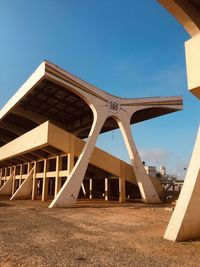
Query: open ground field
{"points": [[92, 234]]}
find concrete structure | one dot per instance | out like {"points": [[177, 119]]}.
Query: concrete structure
{"points": [[151, 170], [41, 132], [163, 170], [185, 221]]}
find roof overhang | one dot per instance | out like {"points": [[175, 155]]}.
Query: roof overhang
{"points": [[50, 94]]}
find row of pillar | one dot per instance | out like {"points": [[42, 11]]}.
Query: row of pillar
{"points": [[122, 193], [58, 179]]}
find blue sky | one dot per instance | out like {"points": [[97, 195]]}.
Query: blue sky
{"points": [[129, 48]]}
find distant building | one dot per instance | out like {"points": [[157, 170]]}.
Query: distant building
{"points": [[151, 170]]}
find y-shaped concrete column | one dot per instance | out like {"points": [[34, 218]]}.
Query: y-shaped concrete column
{"points": [[104, 106], [68, 194], [121, 110]]}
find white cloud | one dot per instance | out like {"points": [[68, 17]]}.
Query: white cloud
{"points": [[156, 155], [174, 164]]}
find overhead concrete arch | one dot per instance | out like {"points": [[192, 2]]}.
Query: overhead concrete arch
{"points": [[186, 12], [185, 220]]}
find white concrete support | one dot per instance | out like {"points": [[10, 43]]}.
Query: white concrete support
{"points": [[1, 177], [122, 184], [83, 188], [28, 167], [185, 220], [90, 188], [69, 192], [21, 170], [70, 162], [57, 178], [14, 185], [25, 189], [147, 190], [106, 189], [45, 182], [5, 176], [34, 185], [6, 189]]}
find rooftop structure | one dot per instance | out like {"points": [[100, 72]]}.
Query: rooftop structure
{"points": [[47, 118]]}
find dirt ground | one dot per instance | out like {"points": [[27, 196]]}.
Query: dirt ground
{"points": [[91, 234]]}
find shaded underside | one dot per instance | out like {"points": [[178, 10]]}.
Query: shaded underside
{"points": [[51, 101]]}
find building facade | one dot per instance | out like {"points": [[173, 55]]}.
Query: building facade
{"points": [[48, 132]]}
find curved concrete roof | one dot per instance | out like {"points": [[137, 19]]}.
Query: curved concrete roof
{"points": [[54, 94]]}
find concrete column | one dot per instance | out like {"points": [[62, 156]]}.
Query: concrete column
{"points": [[51, 187], [90, 188], [83, 188], [28, 168], [45, 182], [13, 184], [21, 169], [185, 220], [5, 176], [9, 171], [34, 189], [68, 194], [1, 177], [147, 190], [70, 162], [57, 178], [122, 184], [106, 189]]}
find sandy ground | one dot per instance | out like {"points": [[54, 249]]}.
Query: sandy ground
{"points": [[91, 234]]}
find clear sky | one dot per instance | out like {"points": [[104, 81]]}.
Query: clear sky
{"points": [[129, 48]]}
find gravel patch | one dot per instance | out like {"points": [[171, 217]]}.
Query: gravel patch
{"points": [[93, 235]]}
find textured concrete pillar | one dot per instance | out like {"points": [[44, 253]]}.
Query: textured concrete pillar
{"points": [[58, 178], [14, 180], [28, 167], [90, 188], [83, 188], [147, 190], [34, 189], [21, 169], [68, 194], [45, 182], [185, 220], [106, 189], [5, 176], [1, 177], [122, 184], [70, 162]]}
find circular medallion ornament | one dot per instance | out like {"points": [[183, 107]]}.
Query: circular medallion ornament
{"points": [[113, 105]]}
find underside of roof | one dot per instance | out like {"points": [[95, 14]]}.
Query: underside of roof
{"points": [[43, 97]]}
